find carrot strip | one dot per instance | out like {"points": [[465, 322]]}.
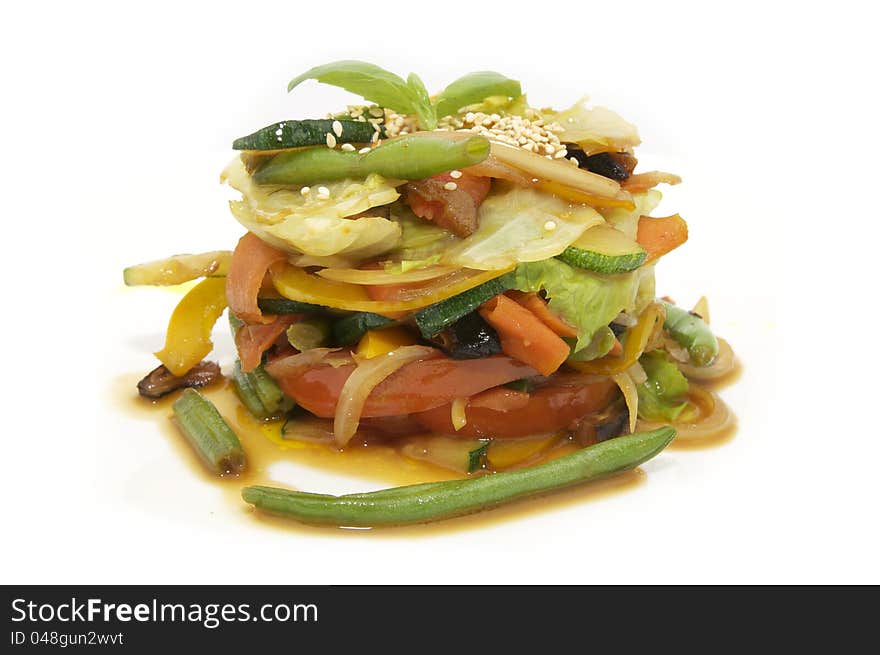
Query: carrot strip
{"points": [[250, 261], [643, 181], [660, 235], [523, 336], [538, 306], [253, 340]]}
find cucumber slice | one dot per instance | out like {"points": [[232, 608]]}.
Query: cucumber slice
{"points": [[349, 330], [309, 132], [603, 249], [460, 455], [178, 269], [434, 318]]}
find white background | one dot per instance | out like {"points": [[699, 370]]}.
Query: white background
{"points": [[116, 122]]}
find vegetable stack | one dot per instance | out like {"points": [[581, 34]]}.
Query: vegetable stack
{"points": [[464, 275]]}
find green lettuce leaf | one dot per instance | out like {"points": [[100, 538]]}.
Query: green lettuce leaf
{"points": [[586, 300], [662, 397]]}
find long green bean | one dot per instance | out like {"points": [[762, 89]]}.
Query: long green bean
{"points": [[439, 500], [692, 333], [411, 157], [209, 434]]}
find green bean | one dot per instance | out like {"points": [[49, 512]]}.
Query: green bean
{"points": [[209, 434], [411, 157], [259, 392], [439, 500], [692, 333]]}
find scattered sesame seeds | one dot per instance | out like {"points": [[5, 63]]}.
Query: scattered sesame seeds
{"points": [[529, 133], [347, 147], [337, 128], [455, 174], [364, 150], [305, 190], [450, 186], [331, 140], [323, 192], [550, 226]]}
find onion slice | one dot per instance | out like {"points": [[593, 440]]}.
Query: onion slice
{"points": [[630, 395], [459, 414], [724, 363], [714, 417], [293, 365], [366, 377], [380, 277]]}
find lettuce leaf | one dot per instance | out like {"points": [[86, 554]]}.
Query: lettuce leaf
{"points": [[662, 397], [586, 300]]}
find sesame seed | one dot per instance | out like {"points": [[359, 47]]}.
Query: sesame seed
{"points": [[570, 119], [324, 192], [279, 132], [455, 174], [450, 186], [574, 161], [305, 190], [331, 140], [337, 128], [375, 137], [347, 147], [550, 226], [364, 151], [560, 154]]}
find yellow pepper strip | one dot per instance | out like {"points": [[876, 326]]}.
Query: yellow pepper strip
{"points": [[581, 198], [634, 345], [294, 283], [379, 342], [188, 338], [504, 453]]}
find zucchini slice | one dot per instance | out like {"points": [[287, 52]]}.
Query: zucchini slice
{"points": [[286, 306], [349, 330], [178, 269], [453, 453], [434, 318], [603, 249], [309, 132]]}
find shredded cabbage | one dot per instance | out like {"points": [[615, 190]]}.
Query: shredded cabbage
{"points": [[595, 129], [313, 225], [521, 225], [663, 395]]}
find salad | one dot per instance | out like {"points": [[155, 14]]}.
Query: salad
{"points": [[464, 276]]}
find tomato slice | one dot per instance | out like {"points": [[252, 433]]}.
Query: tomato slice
{"points": [[557, 406], [416, 387]]}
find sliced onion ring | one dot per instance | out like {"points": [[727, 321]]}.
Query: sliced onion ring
{"points": [[367, 376], [293, 365], [714, 417], [381, 277], [724, 363]]}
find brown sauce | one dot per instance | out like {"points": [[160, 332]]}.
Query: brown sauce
{"points": [[380, 463]]}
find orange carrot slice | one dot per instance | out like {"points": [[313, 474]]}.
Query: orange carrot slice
{"points": [[660, 235], [523, 336], [538, 306]]}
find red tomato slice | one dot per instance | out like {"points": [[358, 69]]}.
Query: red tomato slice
{"points": [[416, 387], [548, 409]]}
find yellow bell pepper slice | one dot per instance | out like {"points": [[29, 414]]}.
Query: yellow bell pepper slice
{"points": [[634, 345], [296, 284], [379, 342], [504, 453], [188, 338], [624, 200]]}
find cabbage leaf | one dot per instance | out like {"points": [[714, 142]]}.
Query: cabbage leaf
{"points": [[313, 225], [521, 225]]}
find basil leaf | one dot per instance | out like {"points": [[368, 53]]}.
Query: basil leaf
{"points": [[473, 88], [369, 81], [424, 110]]}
